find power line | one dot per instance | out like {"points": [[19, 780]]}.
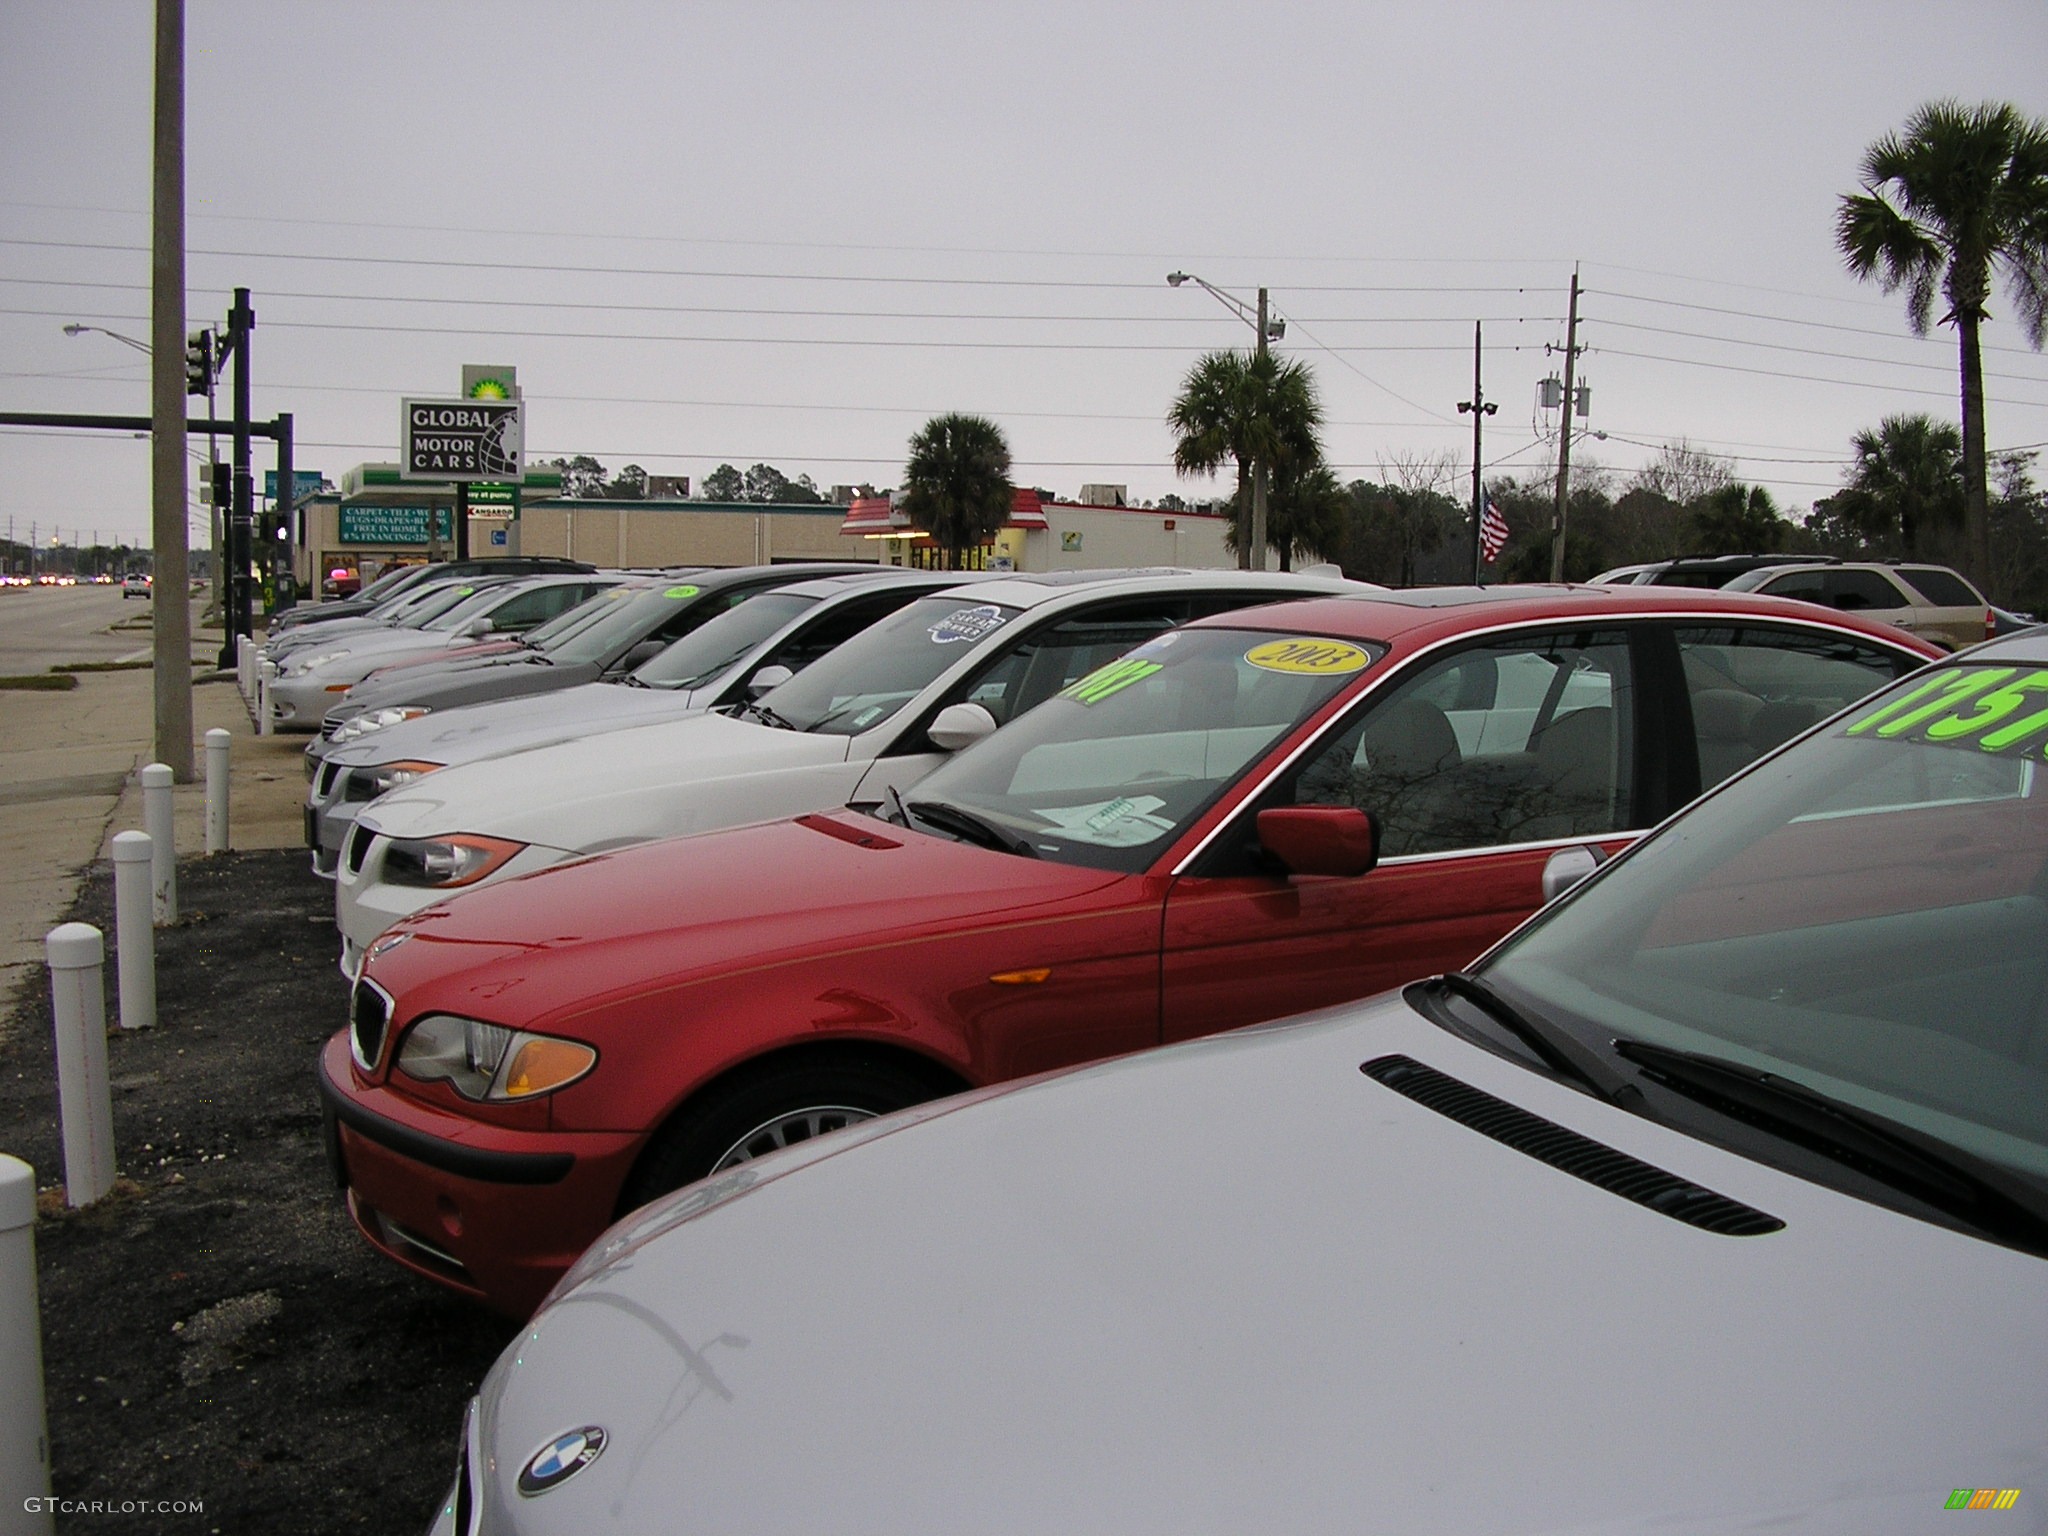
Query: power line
{"points": [[1775, 346], [1808, 378], [1823, 325]]}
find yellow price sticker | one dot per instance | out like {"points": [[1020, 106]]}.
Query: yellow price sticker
{"points": [[1317, 658]]}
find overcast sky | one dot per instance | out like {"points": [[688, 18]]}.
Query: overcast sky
{"points": [[791, 232]]}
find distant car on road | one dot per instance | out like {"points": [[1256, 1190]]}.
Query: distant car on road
{"points": [[134, 584]]}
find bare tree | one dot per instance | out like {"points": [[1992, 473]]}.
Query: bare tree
{"points": [[1683, 474]]}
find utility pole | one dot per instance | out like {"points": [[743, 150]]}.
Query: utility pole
{"points": [[1480, 409], [1564, 436], [170, 608]]}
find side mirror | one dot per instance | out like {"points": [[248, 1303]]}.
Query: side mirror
{"points": [[475, 629], [768, 677], [961, 725], [1567, 867], [1320, 839]]}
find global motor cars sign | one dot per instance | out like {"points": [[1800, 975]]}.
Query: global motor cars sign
{"points": [[462, 440]]}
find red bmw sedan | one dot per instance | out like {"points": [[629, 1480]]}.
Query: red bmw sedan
{"points": [[1265, 812]]}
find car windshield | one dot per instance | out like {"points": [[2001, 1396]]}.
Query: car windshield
{"points": [[708, 650], [620, 624], [418, 612], [1113, 768], [878, 671], [477, 601], [584, 614], [1864, 917]]}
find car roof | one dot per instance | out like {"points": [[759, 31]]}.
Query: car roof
{"points": [[875, 579], [2030, 645], [1036, 588], [1429, 613]]}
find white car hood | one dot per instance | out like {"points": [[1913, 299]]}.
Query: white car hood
{"points": [[602, 791], [470, 731], [1243, 1287]]}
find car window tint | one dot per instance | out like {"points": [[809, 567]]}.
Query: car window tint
{"points": [[1855, 591], [833, 629], [1943, 588], [1751, 689], [1807, 586], [1547, 755]]}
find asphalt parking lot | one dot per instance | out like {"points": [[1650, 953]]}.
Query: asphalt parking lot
{"points": [[215, 1331]]}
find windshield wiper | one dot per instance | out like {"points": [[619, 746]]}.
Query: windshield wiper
{"points": [[1988, 1197], [893, 811], [765, 715], [1563, 1052], [628, 680], [968, 827]]}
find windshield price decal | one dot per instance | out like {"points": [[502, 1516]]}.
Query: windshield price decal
{"points": [[1114, 678], [1320, 658], [967, 624], [679, 593], [2002, 707]]}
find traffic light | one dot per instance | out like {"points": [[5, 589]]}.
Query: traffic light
{"points": [[199, 363]]}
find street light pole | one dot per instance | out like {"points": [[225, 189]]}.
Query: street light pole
{"points": [[1251, 554], [1480, 408]]}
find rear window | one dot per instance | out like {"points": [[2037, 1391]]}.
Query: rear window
{"points": [[1941, 586]]}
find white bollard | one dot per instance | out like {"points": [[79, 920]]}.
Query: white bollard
{"points": [[245, 666], [266, 674], [25, 1450], [134, 933], [85, 1108], [160, 823], [217, 741]]}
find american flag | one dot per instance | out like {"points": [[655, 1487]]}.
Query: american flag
{"points": [[1493, 533]]}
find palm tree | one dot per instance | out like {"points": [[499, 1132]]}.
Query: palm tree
{"points": [[1737, 519], [1907, 481], [1309, 514], [956, 484], [1960, 191], [1252, 409]]}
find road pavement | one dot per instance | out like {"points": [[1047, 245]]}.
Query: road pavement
{"points": [[68, 760]]}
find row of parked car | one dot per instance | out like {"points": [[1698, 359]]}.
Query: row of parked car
{"points": [[1595, 1228]]}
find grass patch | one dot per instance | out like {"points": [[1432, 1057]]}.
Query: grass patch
{"points": [[43, 682], [102, 666]]}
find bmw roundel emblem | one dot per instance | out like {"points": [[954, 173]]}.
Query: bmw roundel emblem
{"points": [[560, 1459]]}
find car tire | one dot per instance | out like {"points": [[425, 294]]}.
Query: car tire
{"points": [[754, 1112]]}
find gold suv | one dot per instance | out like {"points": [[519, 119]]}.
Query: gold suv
{"points": [[1931, 601]]}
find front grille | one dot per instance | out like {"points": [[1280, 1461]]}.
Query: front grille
{"points": [[329, 772], [361, 786], [1569, 1152], [359, 841], [369, 1017], [328, 726]]}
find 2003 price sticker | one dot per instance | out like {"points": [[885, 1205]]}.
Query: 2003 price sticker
{"points": [[1318, 658], [1999, 707]]}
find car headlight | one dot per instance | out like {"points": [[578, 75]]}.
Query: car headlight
{"points": [[488, 1062], [294, 665], [462, 858], [378, 719], [381, 778]]}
